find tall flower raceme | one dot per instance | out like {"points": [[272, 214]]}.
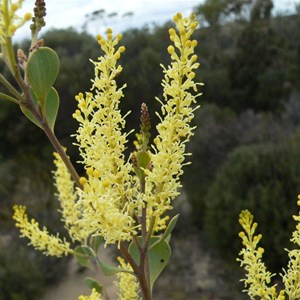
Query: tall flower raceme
{"points": [[176, 114], [121, 201], [258, 279]]}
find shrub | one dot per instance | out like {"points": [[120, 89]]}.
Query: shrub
{"points": [[219, 132], [264, 179]]}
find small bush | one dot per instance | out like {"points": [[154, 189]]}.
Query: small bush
{"points": [[218, 133], [265, 179]]}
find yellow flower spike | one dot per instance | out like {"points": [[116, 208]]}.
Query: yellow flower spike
{"points": [[128, 287], [174, 129], [67, 195], [257, 277], [102, 144], [39, 239]]}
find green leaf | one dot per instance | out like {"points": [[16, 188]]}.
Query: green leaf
{"points": [[93, 284], [84, 254], [96, 242], [109, 270], [51, 107], [159, 256], [166, 235], [28, 113], [41, 71]]}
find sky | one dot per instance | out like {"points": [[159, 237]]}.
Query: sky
{"points": [[67, 13]]}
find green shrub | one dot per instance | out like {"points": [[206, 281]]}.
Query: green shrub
{"points": [[265, 179], [219, 132]]}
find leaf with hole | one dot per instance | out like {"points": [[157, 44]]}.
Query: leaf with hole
{"points": [[159, 256]]}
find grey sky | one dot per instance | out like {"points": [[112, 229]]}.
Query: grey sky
{"points": [[66, 13]]}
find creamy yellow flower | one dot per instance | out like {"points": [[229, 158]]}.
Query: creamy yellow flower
{"points": [[128, 286], [174, 130], [9, 20], [257, 279], [39, 239], [94, 296], [67, 195], [107, 192]]}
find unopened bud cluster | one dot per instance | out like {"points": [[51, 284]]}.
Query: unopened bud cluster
{"points": [[39, 13]]}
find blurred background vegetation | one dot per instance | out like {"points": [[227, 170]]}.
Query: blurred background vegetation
{"points": [[245, 148]]}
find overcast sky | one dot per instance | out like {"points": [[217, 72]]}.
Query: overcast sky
{"points": [[66, 13]]}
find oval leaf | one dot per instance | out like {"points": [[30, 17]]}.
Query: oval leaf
{"points": [[41, 71], [83, 255], [51, 107], [159, 256]]}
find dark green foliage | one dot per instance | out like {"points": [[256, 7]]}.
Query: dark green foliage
{"points": [[256, 81], [263, 178], [219, 131]]}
